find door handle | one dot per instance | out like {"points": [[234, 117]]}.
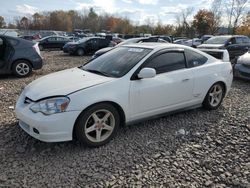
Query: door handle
{"points": [[185, 80]]}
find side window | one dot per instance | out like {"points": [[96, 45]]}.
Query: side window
{"points": [[245, 40], [13, 42], [52, 39], [89, 42], [233, 40], [60, 39], [239, 40], [166, 62], [194, 59]]}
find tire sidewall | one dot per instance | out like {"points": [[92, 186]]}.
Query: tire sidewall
{"points": [[80, 50], [80, 124], [18, 62], [41, 47], [206, 102]]}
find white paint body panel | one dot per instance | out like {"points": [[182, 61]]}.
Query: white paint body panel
{"points": [[137, 98]]}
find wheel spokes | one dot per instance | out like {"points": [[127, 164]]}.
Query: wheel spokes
{"points": [[107, 127], [100, 125], [105, 118], [98, 134], [95, 117], [90, 129]]}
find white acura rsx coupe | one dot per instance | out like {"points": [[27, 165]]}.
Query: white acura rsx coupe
{"points": [[127, 84]]}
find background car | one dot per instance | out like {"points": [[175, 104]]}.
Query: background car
{"points": [[128, 41], [236, 45], [206, 37], [28, 37], [242, 67], [181, 41], [19, 56], [88, 45], [193, 42], [127, 84], [53, 42]]}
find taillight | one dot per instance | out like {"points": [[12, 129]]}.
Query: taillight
{"points": [[36, 48]]}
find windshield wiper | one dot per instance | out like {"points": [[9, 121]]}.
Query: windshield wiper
{"points": [[98, 72]]}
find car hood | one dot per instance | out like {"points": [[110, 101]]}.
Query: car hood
{"points": [[244, 59], [63, 83], [211, 46], [103, 50]]}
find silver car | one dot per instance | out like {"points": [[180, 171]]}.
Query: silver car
{"points": [[242, 67]]}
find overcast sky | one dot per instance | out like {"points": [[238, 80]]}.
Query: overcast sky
{"points": [[136, 10]]}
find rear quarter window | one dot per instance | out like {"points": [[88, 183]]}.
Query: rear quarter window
{"points": [[13, 42], [195, 59], [245, 40]]}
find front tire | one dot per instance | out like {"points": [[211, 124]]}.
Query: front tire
{"points": [[97, 125], [80, 52], [22, 68], [214, 97]]}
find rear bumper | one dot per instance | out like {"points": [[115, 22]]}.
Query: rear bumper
{"points": [[241, 71], [37, 63]]}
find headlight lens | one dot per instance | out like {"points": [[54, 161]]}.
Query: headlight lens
{"points": [[51, 106]]}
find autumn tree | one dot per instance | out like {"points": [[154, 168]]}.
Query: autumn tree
{"points": [[60, 20], [244, 28], [2, 22], [203, 22]]}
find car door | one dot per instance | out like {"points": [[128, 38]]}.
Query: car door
{"points": [[89, 46], [171, 88], [59, 42], [201, 74], [244, 45], [6, 51], [233, 47], [103, 43], [2, 51], [51, 42]]}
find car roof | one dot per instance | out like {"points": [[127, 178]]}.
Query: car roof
{"points": [[155, 45], [230, 36]]}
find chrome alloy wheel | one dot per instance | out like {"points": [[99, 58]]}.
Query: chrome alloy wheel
{"points": [[99, 125], [216, 95], [22, 69]]}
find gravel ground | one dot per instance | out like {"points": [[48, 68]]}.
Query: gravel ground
{"points": [[197, 148]]}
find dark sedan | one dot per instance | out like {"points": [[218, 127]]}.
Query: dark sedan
{"points": [[18, 56], [53, 42], [128, 41], [86, 46]]}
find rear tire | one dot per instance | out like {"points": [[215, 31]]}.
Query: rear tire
{"points": [[214, 97], [41, 47], [22, 68], [97, 125], [80, 52]]}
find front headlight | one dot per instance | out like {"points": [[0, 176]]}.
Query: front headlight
{"points": [[51, 105]]}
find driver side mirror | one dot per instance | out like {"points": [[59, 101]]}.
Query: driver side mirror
{"points": [[147, 73], [229, 43]]}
